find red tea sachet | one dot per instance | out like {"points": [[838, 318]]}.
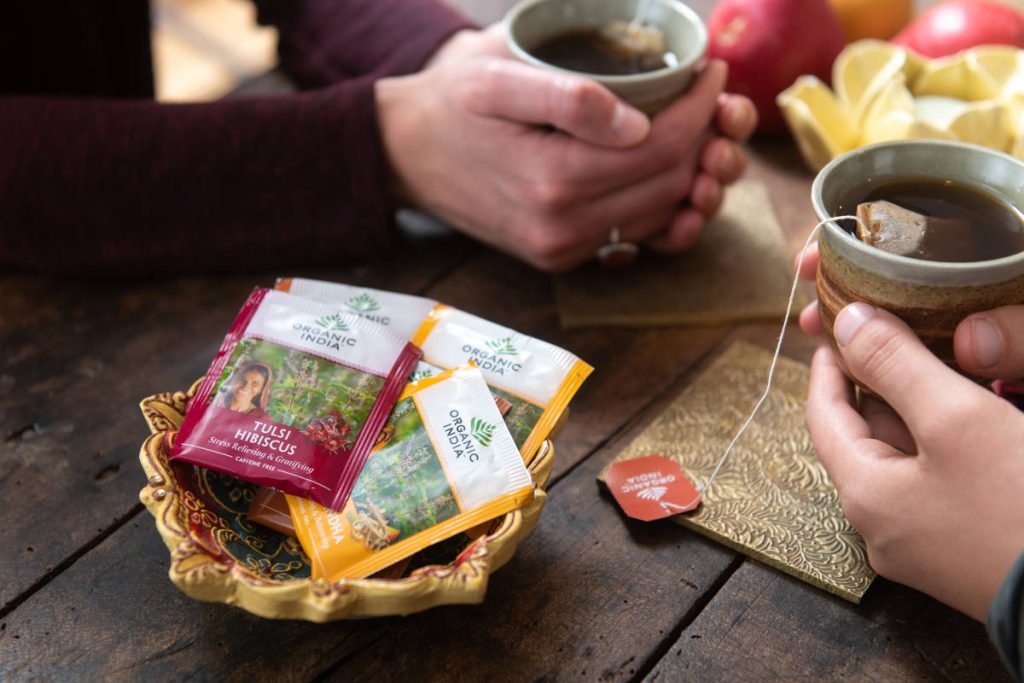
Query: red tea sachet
{"points": [[651, 487], [295, 397]]}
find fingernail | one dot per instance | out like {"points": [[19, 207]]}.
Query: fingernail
{"points": [[850, 320], [988, 343], [629, 125]]}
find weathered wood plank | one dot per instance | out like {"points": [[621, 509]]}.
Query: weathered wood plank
{"points": [[764, 625], [590, 596], [114, 615], [78, 357], [598, 591]]}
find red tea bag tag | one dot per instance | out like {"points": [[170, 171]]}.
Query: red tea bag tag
{"points": [[651, 487]]}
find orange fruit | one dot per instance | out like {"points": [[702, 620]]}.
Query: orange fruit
{"points": [[880, 19]]}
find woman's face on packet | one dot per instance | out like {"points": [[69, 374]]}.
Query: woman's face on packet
{"points": [[248, 386]]}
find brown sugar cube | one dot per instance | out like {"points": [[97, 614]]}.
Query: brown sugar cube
{"points": [[901, 231]]}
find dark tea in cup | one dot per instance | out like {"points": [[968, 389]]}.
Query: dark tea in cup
{"points": [[609, 51], [646, 52], [935, 220]]}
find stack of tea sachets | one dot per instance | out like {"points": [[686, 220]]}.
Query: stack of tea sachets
{"points": [[319, 392]]}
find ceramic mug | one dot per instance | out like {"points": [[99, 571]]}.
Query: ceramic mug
{"points": [[930, 296], [532, 22]]}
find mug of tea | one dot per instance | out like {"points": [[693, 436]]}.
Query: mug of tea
{"points": [[645, 51], [961, 199]]}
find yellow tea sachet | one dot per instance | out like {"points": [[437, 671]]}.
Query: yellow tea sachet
{"points": [[444, 463], [538, 379]]}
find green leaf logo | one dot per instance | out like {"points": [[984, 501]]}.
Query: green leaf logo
{"points": [[482, 432], [331, 323], [503, 346], [364, 303]]}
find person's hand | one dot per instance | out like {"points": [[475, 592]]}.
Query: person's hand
{"points": [[988, 344], [722, 162], [543, 165], [933, 483]]}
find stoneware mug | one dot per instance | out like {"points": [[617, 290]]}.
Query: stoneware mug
{"points": [[932, 297], [533, 22]]}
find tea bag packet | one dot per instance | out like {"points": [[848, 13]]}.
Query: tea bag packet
{"points": [[904, 232], [269, 506], [295, 397], [537, 378], [445, 463], [402, 313]]}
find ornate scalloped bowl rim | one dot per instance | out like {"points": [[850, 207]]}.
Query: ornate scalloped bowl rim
{"points": [[202, 577]]}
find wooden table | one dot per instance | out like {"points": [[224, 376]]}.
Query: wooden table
{"points": [[591, 595]]}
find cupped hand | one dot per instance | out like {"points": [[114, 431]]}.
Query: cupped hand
{"points": [[543, 165], [987, 344], [933, 483]]}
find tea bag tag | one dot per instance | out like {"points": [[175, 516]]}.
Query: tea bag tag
{"points": [[651, 487], [622, 491]]}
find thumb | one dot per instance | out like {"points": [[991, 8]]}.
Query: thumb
{"points": [[883, 353], [693, 112], [573, 104], [991, 344]]}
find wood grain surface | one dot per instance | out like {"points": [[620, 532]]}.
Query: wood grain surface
{"points": [[590, 596]]}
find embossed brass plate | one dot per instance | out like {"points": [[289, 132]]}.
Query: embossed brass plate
{"points": [[772, 499]]}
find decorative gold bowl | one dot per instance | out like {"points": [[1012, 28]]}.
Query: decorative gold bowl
{"points": [[217, 555]]}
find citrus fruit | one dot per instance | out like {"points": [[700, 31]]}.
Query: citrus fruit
{"points": [[872, 18]]}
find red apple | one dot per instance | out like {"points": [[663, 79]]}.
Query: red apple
{"points": [[958, 25], [768, 43]]}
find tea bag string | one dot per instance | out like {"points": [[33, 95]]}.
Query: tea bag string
{"points": [[771, 371], [640, 18]]}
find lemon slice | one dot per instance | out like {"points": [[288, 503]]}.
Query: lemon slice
{"points": [[957, 76], [821, 124], [885, 92], [939, 111], [1003, 65], [894, 125], [1015, 116], [862, 69], [892, 96], [984, 123], [913, 65], [924, 130]]}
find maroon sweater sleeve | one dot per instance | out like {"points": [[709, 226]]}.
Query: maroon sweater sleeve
{"points": [[122, 186], [325, 41]]}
